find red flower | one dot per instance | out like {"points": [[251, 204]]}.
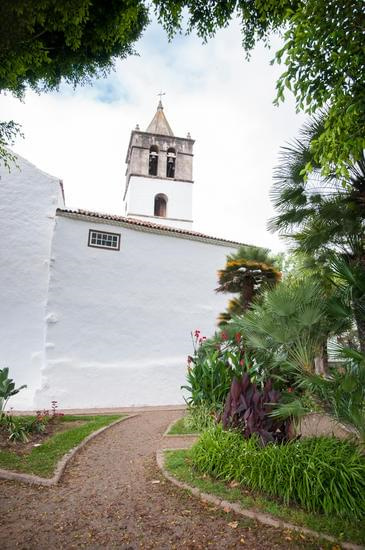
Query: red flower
{"points": [[290, 390], [242, 362], [237, 337], [224, 335]]}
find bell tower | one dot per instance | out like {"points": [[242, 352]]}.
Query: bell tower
{"points": [[159, 177]]}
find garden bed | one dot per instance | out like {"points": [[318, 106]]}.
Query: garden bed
{"points": [[178, 464], [41, 453], [62, 424]]}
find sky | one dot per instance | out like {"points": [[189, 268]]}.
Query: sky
{"points": [[212, 91]]}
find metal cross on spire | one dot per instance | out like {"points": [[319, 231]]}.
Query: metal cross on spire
{"points": [[160, 106]]}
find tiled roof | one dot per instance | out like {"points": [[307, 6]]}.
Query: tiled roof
{"points": [[147, 226], [159, 124]]}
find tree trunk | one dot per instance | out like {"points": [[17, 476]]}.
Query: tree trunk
{"points": [[359, 313], [321, 361], [248, 292], [359, 307], [319, 365]]}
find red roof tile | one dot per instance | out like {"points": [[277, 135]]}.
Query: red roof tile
{"points": [[147, 225]]}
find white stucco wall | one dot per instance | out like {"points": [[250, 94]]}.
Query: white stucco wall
{"points": [[140, 200], [28, 201], [118, 323]]}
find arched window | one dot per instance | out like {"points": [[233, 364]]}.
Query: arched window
{"points": [[153, 161], [160, 206], [171, 159]]}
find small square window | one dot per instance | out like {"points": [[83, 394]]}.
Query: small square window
{"points": [[99, 239]]}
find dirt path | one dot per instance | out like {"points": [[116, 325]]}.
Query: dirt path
{"points": [[106, 499]]}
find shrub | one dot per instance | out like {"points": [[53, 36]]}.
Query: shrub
{"points": [[322, 474], [214, 364], [19, 428], [16, 428], [7, 388], [248, 409], [209, 374], [340, 394]]}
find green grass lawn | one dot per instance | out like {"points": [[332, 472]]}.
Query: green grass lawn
{"points": [[179, 428], [42, 460], [178, 464]]}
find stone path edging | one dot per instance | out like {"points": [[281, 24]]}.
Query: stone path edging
{"points": [[61, 464], [237, 508]]}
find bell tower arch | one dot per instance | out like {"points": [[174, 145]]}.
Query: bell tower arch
{"points": [[159, 176]]}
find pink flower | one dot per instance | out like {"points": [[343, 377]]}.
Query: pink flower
{"points": [[242, 362], [290, 390], [201, 339], [190, 359], [197, 333]]}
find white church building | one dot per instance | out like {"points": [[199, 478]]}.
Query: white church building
{"points": [[97, 309]]}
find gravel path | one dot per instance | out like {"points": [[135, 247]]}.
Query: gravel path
{"points": [[107, 498]]}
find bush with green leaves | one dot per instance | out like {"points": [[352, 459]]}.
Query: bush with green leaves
{"points": [[14, 428], [19, 428], [213, 365], [340, 394], [209, 375], [7, 388], [320, 474]]}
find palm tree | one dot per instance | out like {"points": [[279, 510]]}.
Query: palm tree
{"points": [[349, 280], [247, 273], [322, 215], [294, 321], [340, 394]]}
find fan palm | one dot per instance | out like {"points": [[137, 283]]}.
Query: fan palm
{"points": [[247, 273], [321, 214], [341, 394], [294, 320]]}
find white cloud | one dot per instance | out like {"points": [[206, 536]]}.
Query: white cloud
{"points": [[212, 91]]}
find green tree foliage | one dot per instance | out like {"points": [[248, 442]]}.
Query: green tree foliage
{"points": [[8, 133], [323, 218], [46, 41], [323, 53], [349, 279]]}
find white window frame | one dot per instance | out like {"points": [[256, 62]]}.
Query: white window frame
{"points": [[99, 239]]}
